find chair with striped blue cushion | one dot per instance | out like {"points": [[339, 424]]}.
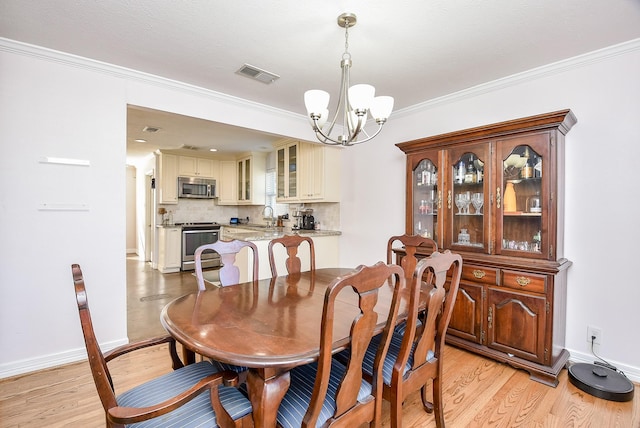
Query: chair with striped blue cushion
{"points": [[416, 351], [195, 395], [329, 393]]}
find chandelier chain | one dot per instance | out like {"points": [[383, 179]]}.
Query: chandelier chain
{"points": [[346, 54]]}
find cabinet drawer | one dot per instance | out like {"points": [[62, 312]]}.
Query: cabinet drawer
{"points": [[524, 281], [479, 274]]}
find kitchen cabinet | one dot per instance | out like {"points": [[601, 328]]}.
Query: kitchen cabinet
{"points": [[189, 166], [242, 181], [169, 249], [251, 179], [227, 185], [167, 183], [495, 194], [287, 172], [319, 173]]}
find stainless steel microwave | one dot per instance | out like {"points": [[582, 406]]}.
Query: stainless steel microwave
{"points": [[193, 187]]}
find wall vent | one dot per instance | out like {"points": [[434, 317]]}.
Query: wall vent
{"points": [[258, 74]]}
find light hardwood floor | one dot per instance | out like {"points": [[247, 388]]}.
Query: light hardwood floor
{"points": [[478, 392]]}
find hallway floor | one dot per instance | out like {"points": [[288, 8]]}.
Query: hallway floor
{"points": [[148, 291]]}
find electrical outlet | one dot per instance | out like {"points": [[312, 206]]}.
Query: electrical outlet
{"points": [[594, 331]]}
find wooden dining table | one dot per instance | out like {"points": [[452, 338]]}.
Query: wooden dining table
{"points": [[269, 326]]}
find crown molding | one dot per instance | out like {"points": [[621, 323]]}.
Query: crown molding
{"points": [[533, 74], [46, 54], [51, 55]]}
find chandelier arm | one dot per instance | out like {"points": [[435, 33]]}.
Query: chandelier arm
{"points": [[368, 137]]}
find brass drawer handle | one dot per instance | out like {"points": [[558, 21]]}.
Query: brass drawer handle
{"points": [[523, 280], [479, 273]]}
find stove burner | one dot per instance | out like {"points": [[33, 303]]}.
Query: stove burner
{"points": [[199, 225]]}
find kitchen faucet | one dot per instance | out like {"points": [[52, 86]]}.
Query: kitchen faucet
{"points": [[270, 218]]}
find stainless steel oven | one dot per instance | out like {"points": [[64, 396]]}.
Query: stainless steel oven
{"points": [[195, 235]]}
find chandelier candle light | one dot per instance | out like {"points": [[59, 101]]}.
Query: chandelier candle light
{"points": [[353, 103]]}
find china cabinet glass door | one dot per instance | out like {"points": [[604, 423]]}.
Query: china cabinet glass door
{"points": [[522, 200], [467, 201], [425, 198]]}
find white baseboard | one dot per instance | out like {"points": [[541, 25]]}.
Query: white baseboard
{"points": [[15, 368], [632, 373]]}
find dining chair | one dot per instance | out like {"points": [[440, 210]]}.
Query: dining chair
{"points": [[410, 244], [291, 244], [415, 355], [327, 393], [188, 396], [229, 272]]}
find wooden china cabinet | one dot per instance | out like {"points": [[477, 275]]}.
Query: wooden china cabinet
{"points": [[495, 194]]}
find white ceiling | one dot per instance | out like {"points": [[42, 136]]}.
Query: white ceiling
{"points": [[413, 50]]}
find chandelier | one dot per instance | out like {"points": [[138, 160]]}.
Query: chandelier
{"points": [[353, 103]]}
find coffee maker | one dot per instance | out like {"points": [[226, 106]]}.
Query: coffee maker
{"points": [[308, 222]]}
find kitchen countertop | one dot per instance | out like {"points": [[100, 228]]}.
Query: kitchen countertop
{"points": [[249, 232]]}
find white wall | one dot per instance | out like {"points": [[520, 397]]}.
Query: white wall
{"points": [[51, 102], [602, 231]]}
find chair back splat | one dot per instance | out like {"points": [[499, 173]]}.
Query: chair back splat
{"points": [[229, 272], [340, 396], [292, 244]]}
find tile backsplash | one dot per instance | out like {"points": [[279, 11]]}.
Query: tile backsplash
{"points": [[194, 210]]}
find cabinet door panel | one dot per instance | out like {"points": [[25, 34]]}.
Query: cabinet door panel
{"points": [[466, 318], [468, 202], [515, 324], [527, 203]]}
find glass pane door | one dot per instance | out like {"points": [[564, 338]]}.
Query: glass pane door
{"points": [[467, 200], [522, 200], [425, 199]]}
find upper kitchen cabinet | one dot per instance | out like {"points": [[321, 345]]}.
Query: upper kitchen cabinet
{"points": [[307, 172], [189, 166], [167, 165], [226, 184], [251, 179], [287, 172], [319, 173]]}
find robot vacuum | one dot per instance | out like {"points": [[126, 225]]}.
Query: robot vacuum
{"points": [[601, 381]]}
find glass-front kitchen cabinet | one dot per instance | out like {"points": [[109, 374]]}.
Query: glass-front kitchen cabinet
{"points": [[495, 195]]}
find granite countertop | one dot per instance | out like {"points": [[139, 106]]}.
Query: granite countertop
{"points": [[248, 232]]}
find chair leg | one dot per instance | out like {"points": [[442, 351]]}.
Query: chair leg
{"points": [[437, 402], [395, 402], [428, 405]]}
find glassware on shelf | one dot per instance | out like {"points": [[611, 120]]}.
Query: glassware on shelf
{"points": [[459, 202], [466, 197], [432, 200], [477, 199], [464, 238]]}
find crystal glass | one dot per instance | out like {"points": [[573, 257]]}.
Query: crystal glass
{"points": [[477, 199], [460, 202]]}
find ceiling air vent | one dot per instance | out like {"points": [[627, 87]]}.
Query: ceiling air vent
{"points": [[258, 74], [151, 129], [188, 147]]}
